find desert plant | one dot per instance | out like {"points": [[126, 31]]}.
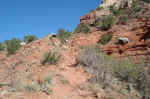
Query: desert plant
{"points": [[94, 63], [51, 58], [82, 28], [147, 1], [106, 71], [48, 78], [33, 87], [13, 45], [105, 22], [106, 38], [2, 47], [88, 55], [126, 70], [30, 38], [115, 11], [136, 6], [143, 84], [134, 10], [45, 87], [123, 20], [135, 74], [62, 35]]}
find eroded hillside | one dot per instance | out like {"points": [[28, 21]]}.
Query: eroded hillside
{"points": [[99, 60]]}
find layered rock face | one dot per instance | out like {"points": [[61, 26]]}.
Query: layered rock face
{"points": [[88, 19], [138, 45], [137, 34]]}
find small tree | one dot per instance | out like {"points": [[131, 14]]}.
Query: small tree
{"points": [[82, 28], [115, 11], [123, 20], [13, 45], [2, 47], [107, 22], [30, 38], [106, 38], [50, 58]]}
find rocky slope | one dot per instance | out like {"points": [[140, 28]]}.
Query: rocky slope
{"points": [[22, 76]]}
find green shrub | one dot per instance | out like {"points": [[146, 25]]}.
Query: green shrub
{"points": [[107, 71], [105, 23], [12, 45], [88, 56], [30, 38], [106, 38], [115, 11], [94, 63], [48, 78], [143, 84], [2, 47], [33, 87], [82, 28], [136, 7], [123, 20], [51, 58], [147, 1], [62, 35], [45, 87], [127, 71], [134, 10], [134, 74]]}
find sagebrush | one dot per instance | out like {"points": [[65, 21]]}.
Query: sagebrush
{"points": [[105, 22], [82, 28], [30, 38], [108, 71], [51, 58], [13, 45], [2, 47], [106, 38]]}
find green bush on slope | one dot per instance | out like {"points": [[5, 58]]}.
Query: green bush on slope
{"points": [[105, 22], [30, 38], [105, 70], [13, 45], [62, 35], [82, 28], [106, 38], [2, 47], [147, 1], [123, 20], [50, 58]]}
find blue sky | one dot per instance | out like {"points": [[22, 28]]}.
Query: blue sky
{"points": [[40, 17]]}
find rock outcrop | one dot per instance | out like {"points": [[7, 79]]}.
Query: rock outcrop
{"points": [[138, 45], [136, 36], [88, 19], [117, 3]]}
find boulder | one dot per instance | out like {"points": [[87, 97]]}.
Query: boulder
{"points": [[123, 40]]}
